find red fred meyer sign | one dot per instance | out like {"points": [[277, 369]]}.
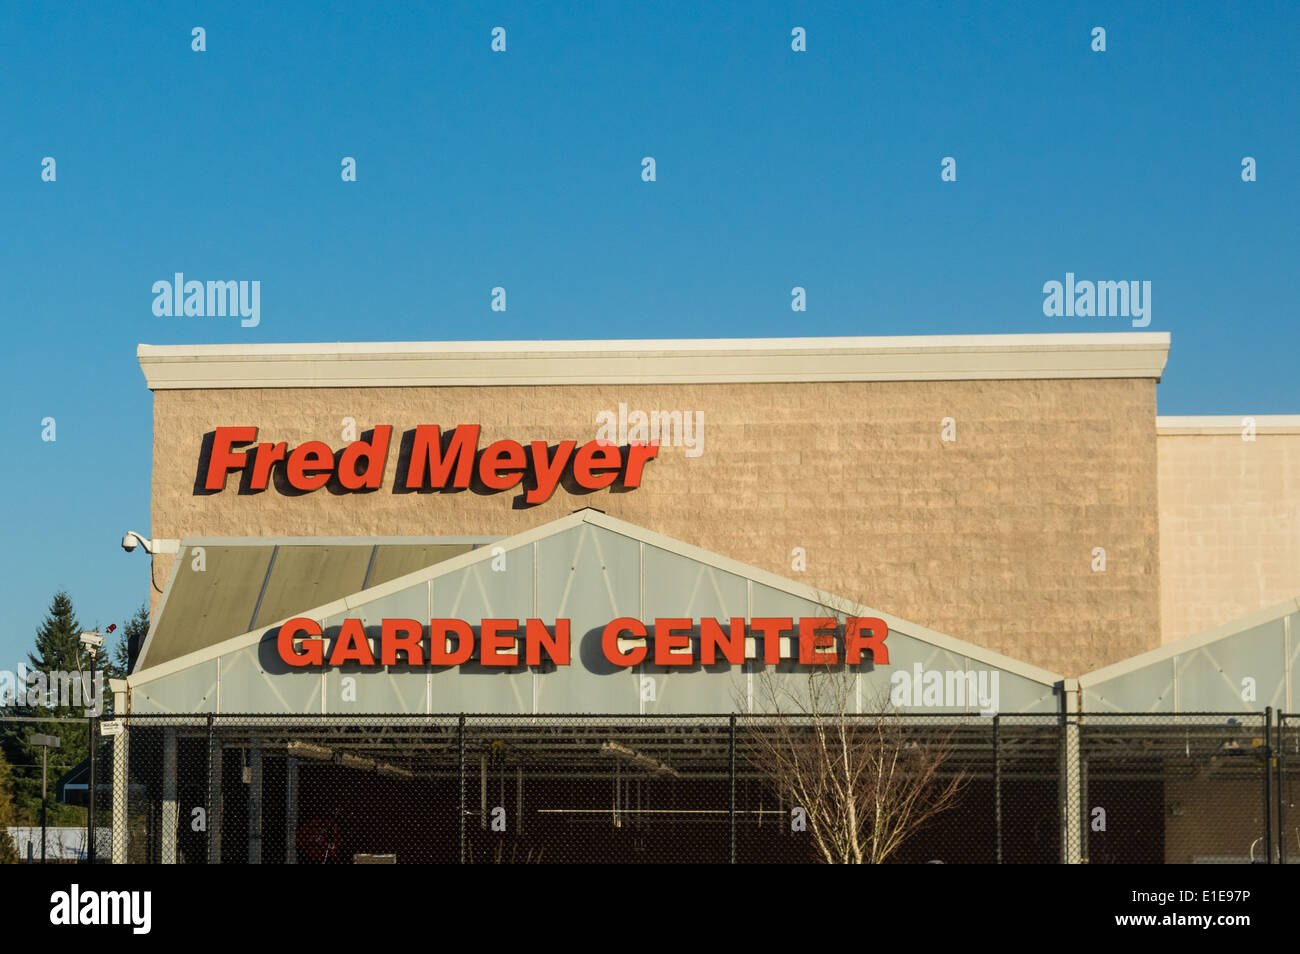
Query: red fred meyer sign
{"points": [[500, 466], [624, 641]]}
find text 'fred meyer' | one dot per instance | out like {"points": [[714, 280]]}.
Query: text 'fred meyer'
{"points": [[433, 463]]}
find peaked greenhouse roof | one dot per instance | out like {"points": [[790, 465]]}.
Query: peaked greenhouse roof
{"points": [[1244, 665], [586, 567]]}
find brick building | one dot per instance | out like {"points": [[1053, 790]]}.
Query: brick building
{"points": [[1005, 516]]}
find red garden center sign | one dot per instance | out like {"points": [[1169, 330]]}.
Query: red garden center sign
{"points": [[624, 641], [428, 461]]}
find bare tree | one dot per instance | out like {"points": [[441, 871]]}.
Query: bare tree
{"points": [[866, 781]]}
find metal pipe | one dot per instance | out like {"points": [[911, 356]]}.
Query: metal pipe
{"points": [[90, 802], [1268, 807], [460, 734], [997, 791], [45, 752], [732, 773]]}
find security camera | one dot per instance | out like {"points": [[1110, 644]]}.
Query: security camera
{"points": [[92, 641], [130, 539]]}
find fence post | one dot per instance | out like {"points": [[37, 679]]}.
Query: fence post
{"points": [[1281, 788], [90, 802], [1268, 799], [121, 785], [1072, 826], [732, 775], [997, 789], [460, 735]]}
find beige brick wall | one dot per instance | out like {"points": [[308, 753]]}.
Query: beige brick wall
{"points": [[988, 539], [1229, 527]]}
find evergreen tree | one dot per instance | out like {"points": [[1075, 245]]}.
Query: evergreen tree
{"points": [[56, 640], [57, 650]]}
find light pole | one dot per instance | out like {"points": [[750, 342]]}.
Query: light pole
{"points": [[46, 742], [91, 642]]}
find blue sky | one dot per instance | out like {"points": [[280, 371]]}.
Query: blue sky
{"points": [[523, 169]]}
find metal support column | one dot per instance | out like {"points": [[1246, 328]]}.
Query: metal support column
{"points": [[1072, 777], [120, 785]]}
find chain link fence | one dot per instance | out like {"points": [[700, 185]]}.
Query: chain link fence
{"points": [[1190, 789], [510, 789]]}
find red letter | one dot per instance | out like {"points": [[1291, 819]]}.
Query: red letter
{"points": [[536, 635], [223, 458], [812, 636], [504, 456], [771, 628], [547, 471], [584, 467], [352, 645], [313, 650], [404, 635], [309, 466], [855, 642], [426, 450], [267, 454], [637, 456], [666, 641], [375, 453], [439, 655], [609, 641], [492, 640], [711, 640]]}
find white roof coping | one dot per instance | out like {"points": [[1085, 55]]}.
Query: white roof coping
{"points": [[685, 361], [1227, 424]]}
